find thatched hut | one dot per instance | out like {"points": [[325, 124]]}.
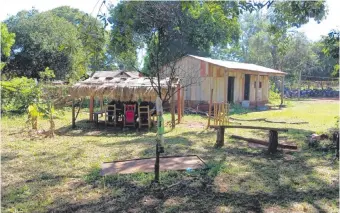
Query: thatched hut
{"points": [[123, 89]]}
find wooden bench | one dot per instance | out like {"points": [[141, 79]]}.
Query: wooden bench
{"points": [[273, 135]]}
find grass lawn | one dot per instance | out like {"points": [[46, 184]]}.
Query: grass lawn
{"points": [[62, 174]]}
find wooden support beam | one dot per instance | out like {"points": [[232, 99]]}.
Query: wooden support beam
{"points": [[172, 109], [226, 86], [251, 127], [262, 142], [210, 104], [101, 103], [257, 90], [179, 109], [226, 75], [282, 89], [73, 114], [91, 107]]}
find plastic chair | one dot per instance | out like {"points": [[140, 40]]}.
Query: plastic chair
{"points": [[129, 115]]}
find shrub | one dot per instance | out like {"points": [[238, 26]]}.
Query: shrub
{"points": [[274, 96], [18, 93]]}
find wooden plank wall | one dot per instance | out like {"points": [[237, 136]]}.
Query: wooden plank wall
{"points": [[214, 79]]}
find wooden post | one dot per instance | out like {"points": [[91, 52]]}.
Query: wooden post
{"points": [[220, 137], [282, 89], [101, 103], [225, 88], [73, 114], [172, 109], [210, 103], [179, 109], [91, 107], [257, 90], [215, 108], [273, 141], [224, 95]]}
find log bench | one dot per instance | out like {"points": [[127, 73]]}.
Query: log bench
{"points": [[273, 135]]}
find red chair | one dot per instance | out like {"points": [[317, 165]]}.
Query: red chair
{"points": [[129, 115]]}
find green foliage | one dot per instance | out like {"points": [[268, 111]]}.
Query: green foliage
{"points": [[265, 39], [193, 30], [18, 93], [48, 74], [274, 96], [237, 109], [44, 39], [7, 41], [297, 13], [92, 34], [331, 49]]}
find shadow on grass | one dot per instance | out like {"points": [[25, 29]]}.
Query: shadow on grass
{"points": [[257, 180], [197, 191], [86, 128]]}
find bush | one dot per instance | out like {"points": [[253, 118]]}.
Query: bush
{"points": [[17, 94], [274, 96]]}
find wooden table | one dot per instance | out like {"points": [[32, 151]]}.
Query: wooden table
{"points": [[95, 116]]}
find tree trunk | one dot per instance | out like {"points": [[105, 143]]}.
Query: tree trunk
{"points": [[220, 137], [273, 141]]}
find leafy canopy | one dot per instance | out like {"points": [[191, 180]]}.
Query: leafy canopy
{"points": [[175, 28], [45, 40], [7, 41]]}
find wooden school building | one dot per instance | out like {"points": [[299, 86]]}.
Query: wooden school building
{"points": [[231, 82]]}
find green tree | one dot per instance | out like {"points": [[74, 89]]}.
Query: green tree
{"points": [[270, 28], [17, 94], [7, 41], [93, 35], [44, 39], [185, 28], [331, 49]]}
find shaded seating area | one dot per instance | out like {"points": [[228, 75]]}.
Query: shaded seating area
{"points": [[131, 100]]}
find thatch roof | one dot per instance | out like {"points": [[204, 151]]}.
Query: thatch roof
{"points": [[124, 89]]}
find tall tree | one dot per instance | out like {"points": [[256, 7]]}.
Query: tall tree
{"points": [[170, 30], [92, 33], [45, 40]]}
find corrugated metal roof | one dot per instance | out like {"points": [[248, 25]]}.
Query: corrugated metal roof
{"points": [[132, 74], [239, 65], [115, 73], [104, 74]]}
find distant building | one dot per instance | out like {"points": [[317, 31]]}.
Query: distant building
{"points": [[115, 74]]}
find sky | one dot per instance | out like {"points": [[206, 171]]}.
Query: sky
{"points": [[11, 7]]}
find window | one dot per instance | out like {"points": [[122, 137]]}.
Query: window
{"points": [[260, 86]]}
